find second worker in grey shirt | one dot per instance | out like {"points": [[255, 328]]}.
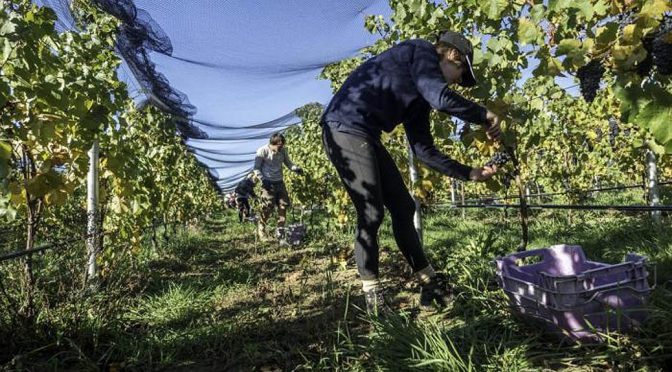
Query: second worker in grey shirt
{"points": [[268, 167]]}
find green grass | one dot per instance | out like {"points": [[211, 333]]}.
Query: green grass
{"points": [[211, 298]]}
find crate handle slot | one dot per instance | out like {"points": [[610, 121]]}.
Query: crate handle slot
{"points": [[512, 259]]}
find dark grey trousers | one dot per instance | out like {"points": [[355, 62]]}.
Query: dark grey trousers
{"points": [[373, 181]]}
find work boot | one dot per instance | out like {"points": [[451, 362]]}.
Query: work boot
{"points": [[376, 305], [437, 292], [281, 235]]}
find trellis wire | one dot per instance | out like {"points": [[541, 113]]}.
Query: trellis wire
{"points": [[483, 198], [61, 244], [621, 208]]}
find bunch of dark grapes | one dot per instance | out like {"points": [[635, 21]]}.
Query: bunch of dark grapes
{"points": [[661, 48], [589, 79], [644, 66], [498, 159], [613, 132]]}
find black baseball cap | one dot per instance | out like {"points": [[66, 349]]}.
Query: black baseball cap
{"points": [[463, 45]]}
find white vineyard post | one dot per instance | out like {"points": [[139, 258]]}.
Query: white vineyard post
{"points": [[652, 184], [462, 192], [93, 228]]}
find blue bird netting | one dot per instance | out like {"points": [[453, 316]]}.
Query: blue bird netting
{"points": [[234, 71]]}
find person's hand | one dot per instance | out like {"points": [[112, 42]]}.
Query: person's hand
{"points": [[493, 130], [482, 174]]}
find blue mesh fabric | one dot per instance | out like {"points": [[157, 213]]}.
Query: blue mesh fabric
{"points": [[235, 71]]}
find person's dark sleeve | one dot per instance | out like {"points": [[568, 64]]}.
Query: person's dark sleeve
{"points": [[251, 189], [426, 73], [422, 144]]}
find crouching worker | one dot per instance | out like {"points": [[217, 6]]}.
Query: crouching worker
{"points": [[230, 200], [400, 85], [268, 167], [245, 191]]}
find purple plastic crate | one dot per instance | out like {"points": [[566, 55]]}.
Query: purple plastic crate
{"points": [[583, 322], [565, 278], [573, 295]]}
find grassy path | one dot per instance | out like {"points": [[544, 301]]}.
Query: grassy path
{"points": [[213, 299], [218, 300], [221, 301]]}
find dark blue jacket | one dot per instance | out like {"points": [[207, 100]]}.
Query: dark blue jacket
{"points": [[245, 189], [401, 85]]}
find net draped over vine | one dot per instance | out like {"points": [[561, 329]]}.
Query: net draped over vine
{"points": [[234, 71]]}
